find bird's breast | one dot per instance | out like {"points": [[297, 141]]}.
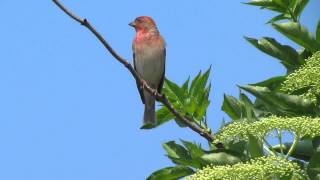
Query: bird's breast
{"points": [[149, 62]]}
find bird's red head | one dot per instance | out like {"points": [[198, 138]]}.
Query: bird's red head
{"points": [[143, 23]]}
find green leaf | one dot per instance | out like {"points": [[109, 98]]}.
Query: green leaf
{"points": [[177, 153], [221, 157], [288, 56], [202, 109], [175, 150], [316, 143], [232, 107], [203, 103], [255, 147], [279, 17], [190, 105], [303, 150], [281, 104], [313, 168], [171, 173], [299, 34], [237, 146], [175, 91], [262, 3], [196, 152], [194, 149], [268, 4], [318, 32], [195, 81], [199, 84], [303, 55], [248, 106], [299, 6], [185, 86], [282, 3], [271, 83]]}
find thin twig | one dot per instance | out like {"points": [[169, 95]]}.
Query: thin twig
{"points": [[293, 145], [161, 98]]}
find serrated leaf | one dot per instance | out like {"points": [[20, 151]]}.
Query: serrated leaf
{"points": [[175, 91], [283, 3], [288, 56], [199, 85], [190, 105], [299, 34], [195, 150], [175, 150], [177, 153], [281, 104], [248, 106], [185, 85], [299, 6], [221, 157], [279, 17], [171, 173], [194, 81], [268, 5], [202, 109], [271, 83], [232, 107]]}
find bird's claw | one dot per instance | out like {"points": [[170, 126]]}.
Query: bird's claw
{"points": [[143, 84], [154, 92]]}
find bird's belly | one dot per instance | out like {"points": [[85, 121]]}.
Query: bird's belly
{"points": [[150, 67]]}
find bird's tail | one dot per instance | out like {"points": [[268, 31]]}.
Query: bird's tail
{"points": [[149, 117]]}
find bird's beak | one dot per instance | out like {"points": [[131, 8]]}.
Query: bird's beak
{"points": [[132, 24]]}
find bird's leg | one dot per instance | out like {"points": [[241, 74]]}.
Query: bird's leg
{"points": [[143, 84]]}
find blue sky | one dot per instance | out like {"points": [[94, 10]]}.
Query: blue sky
{"points": [[68, 110]]}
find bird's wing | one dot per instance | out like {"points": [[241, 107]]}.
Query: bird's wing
{"points": [[138, 84], [163, 72]]}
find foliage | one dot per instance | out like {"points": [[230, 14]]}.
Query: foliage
{"points": [[287, 103], [190, 99], [191, 156]]}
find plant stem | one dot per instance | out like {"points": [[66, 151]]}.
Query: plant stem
{"points": [[279, 135], [269, 148], [294, 145]]}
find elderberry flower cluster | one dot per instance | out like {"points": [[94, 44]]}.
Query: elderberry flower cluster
{"points": [[304, 126], [270, 167], [307, 77]]}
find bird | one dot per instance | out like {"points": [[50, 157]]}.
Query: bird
{"points": [[149, 54]]}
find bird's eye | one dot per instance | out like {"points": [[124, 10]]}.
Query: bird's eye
{"points": [[138, 20]]}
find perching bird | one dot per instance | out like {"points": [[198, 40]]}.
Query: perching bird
{"points": [[149, 56]]}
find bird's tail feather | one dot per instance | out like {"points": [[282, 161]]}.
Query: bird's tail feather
{"points": [[149, 117]]}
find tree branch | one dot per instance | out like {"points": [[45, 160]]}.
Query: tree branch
{"points": [[161, 98]]}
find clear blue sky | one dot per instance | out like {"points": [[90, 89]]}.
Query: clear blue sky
{"points": [[69, 111]]}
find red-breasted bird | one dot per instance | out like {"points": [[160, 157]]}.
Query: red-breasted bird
{"points": [[149, 56]]}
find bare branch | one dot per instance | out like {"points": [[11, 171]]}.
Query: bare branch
{"points": [[161, 98]]}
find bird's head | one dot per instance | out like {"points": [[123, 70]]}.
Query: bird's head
{"points": [[143, 23]]}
